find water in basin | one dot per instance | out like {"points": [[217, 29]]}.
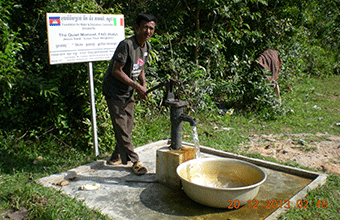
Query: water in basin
{"points": [[218, 182]]}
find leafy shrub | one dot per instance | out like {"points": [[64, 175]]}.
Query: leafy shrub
{"points": [[10, 46], [208, 45]]}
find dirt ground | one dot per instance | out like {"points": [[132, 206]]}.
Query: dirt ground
{"points": [[320, 151]]}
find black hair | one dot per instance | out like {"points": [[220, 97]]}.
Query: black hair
{"points": [[145, 17]]}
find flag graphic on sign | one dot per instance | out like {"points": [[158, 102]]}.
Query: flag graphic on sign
{"points": [[121, 22], [54, 21]]}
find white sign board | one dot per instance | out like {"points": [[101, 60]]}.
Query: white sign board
{"points": [[74, 38]]}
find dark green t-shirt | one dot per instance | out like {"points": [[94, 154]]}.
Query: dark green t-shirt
{"points": [[134, 57]]}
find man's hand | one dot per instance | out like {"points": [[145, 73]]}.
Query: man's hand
{"points": [[121, 76], [142, 92]]}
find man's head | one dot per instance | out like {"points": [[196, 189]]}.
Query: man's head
{"points": [[145, 27], [145, 17]]}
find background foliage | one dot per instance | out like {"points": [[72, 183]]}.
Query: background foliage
{"points": [[210, 45]]}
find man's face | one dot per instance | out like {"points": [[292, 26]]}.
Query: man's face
{"points": [[145, 30]]}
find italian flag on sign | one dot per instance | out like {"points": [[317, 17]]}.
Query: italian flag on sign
{"points": [[120, 20]]}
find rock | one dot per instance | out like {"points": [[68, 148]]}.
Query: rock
{"points": [[285, 152], [302, 142], [226, 129], [18, 215], [61, 183], [316, 107], [71, 175]]}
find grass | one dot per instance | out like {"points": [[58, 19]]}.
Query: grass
{"points": [[22, 163], [313, 107]]}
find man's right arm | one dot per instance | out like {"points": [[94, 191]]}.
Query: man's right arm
{"points": [[118, 73]]}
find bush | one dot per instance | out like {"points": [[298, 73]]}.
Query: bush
{"points": [[209, 46]]}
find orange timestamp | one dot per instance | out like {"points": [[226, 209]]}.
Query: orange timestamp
{"points": [[286, 204]]}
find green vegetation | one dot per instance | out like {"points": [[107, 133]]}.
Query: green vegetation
{"points": [[209, 45], [25, 161]]}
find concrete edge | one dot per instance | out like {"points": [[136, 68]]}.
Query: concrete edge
{"points": [[267, 164], [263, 163], [319, 181], [159, 144]]}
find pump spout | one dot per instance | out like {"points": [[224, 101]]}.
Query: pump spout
{"points": [[187, 118], [176, 112], [177, 117]]}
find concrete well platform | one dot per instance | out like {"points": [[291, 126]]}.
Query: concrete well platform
{"points": [[123, 195]]}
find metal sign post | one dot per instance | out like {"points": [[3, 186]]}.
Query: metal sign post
{"points": [[93, 110], [77, 38]]}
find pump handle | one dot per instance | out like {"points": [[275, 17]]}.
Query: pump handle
{"points": [[173, 82]]}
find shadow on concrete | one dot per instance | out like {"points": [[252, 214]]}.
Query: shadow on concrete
{"points": [[117, 175], [155, 196], [160, 198]]}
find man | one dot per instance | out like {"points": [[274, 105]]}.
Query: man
{"points": [[271, 60], [120, 81]]}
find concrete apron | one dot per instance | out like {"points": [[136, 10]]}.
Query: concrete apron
{"points": [[123, 195]]}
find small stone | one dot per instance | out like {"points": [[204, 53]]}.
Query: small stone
{"points": [[64, 183], [18, 215], [40, 158], [302, 142], [61, 183], [71, 175], [285, 152], [226, 129]]}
